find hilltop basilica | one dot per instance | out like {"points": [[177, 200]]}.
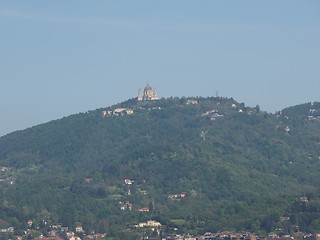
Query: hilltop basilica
{"points": [[148, 94]]}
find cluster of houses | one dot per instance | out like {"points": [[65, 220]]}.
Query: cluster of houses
{"points": [[214, 111], [96, 236], [128, 205], [213, 114], [4, 175], [230, 236], [313, 118], [303, 199], [128, 182], [8, 180], [57, 232], [154, 226], [62, 233], [53, 238], [150, 223], [240, 110], [90, 237], [7, 230], [190, 101], [123, 111], [176, 196], [4, 169], [284, 219], [68, 236], [144, 209], [117, 112]]}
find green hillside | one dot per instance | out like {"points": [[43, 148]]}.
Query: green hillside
{"points": [[210, 164]]}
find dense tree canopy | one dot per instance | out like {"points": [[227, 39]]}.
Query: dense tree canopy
{"points": [[240, 168]]}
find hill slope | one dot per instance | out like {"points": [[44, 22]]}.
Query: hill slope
{"points": [[239, 168]]}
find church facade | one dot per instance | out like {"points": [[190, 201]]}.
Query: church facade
{"points": [[148, 94]]}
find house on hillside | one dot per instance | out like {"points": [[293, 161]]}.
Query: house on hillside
{"points": [[79, 229], [189, 101], [150, 223], [49, 238], [287, 129], [4, 169], [96, 236], [30, 222], [177, 196], [144, 210], [128, 181], [284, 219], [53, 233], [7, 230], [304, 199], [127, 205], [64, 229], [74, 238], [88, 180], [117, 112], [70, 234]]}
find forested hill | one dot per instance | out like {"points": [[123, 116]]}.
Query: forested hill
{"points": [[239, 167]]}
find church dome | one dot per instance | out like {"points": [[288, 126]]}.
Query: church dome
{"points": [[148, 94], [147, 87]]}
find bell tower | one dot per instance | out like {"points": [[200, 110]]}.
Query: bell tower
{"points": [[140, 95]]}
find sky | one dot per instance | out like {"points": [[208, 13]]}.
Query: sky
{"points": [[59, 58]]}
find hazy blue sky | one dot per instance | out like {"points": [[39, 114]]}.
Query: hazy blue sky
{"points": [[62, 57]]}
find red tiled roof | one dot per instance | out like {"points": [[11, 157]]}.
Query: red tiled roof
{"points": [[48, 238]]}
